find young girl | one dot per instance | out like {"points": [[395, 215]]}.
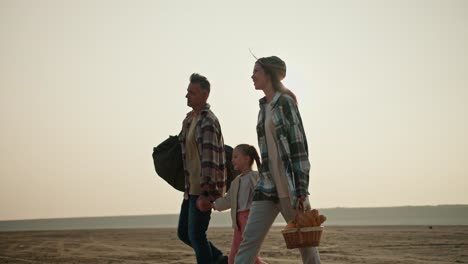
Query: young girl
{"points": [[240, 194]]}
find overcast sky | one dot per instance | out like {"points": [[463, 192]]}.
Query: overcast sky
{"points": [[88, 88]]}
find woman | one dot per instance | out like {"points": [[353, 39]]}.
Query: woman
{"points": [[284, 174]]}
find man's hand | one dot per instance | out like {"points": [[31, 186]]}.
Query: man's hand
{"points": [[204, 203], [210, 191]]}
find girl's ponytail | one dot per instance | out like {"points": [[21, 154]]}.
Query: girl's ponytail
{"points": [[250, 151], [254, 155]]}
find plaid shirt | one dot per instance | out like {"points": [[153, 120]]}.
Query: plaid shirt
{"points": [[210, 146], [292, 147]]}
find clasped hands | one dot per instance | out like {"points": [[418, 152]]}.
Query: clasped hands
{"points": [[205, 200]]}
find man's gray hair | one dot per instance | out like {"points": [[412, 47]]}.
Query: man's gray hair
{"points": [[201, 80]]}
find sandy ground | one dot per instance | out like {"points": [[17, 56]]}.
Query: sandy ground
{"points": [[396, 244]]}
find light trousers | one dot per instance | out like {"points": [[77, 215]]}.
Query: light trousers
{"points": [[261, 217]]}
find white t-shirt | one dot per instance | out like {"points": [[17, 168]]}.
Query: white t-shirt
{"points": [[274, 160], [192, 158]]}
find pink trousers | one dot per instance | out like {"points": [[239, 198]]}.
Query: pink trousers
{"points": [[237, 238]]}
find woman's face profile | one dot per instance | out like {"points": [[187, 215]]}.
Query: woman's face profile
{"points": [[259, 77]]}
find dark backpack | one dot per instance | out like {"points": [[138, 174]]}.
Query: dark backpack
{"points": [[167, 159]]}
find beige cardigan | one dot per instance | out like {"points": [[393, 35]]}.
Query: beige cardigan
{"points": [[230, 199]]}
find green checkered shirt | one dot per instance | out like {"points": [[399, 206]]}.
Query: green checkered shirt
{"points": [[292, 148]]}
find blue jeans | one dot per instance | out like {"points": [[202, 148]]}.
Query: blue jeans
{"points": [[192, 228]]}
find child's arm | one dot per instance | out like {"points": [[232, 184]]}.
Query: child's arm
{"points": [[223, 203]]}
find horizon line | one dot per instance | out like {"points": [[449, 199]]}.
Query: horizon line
{"points": [[325, 208]]}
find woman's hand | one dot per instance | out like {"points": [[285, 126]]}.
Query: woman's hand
{"points": [[303, 202], [302, 198]]}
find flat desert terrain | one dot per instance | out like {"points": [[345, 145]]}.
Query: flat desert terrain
{"points": [[347, 244]]}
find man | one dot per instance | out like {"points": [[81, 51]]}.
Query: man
{"points": [[204, 159]]}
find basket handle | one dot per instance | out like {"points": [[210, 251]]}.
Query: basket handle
{"points": [[300, 205], [300, 209]]}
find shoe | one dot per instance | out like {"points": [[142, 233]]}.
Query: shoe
{"points": [[222, 260]]}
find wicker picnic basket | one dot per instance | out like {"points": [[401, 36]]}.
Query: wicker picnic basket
{"points": [[302, 237]]}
